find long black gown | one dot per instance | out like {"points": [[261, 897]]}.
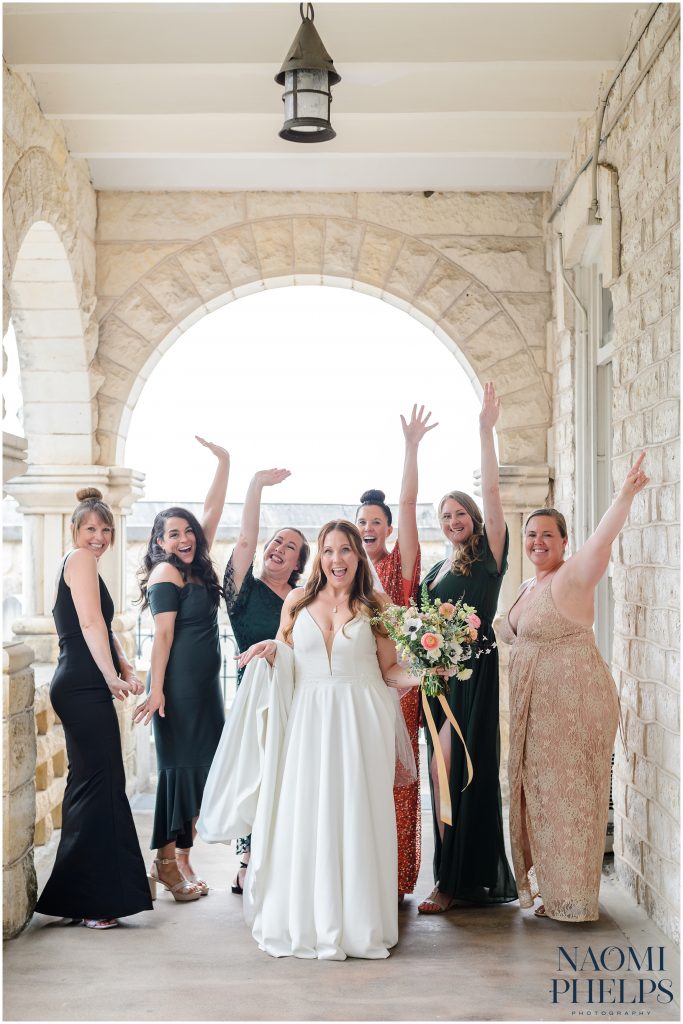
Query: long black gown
{"points": [[470, 864], [186, 739], [99, 871]]}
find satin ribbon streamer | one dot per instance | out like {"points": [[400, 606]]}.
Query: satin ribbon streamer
{"points": [[445, 807]]}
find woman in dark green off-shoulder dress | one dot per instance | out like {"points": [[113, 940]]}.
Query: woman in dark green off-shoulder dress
{"points": [[470, 864], [254, 603], [184, 699]]}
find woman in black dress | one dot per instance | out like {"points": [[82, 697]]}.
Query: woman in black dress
{"points": [[184, 700], [99, 874], [254, 603], [470, 864]]}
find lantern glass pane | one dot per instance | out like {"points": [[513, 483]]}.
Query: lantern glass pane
{"points": [[289, 95], [312, 104], [311, 79]]}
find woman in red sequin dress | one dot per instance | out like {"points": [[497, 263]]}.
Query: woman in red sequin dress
{"points": [[399, 573]]}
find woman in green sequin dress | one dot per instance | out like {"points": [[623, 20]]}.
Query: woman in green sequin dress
{"points": [[184, 700], [254, 603], [470, 864]]}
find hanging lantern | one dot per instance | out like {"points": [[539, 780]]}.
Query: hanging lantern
{"points": [[307, 75]]}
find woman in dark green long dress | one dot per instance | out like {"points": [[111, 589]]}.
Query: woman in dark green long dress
{"points": [[184, 700], [254, 603], [470, 864]]}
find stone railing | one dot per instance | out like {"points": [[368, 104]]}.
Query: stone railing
{"points": [[50, 762], [18, 788]]}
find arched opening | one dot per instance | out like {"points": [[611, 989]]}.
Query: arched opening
{"points": [[309, 378], [46, 314], [500, 337], [312, 379]]}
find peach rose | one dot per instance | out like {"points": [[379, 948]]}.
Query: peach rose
{"points": [[473, 633]]}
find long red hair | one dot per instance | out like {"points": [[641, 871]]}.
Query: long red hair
{"points": [[362, 594]]}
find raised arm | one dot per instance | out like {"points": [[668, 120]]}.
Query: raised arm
{"points": [[215, 499], [585, 569], [245, 549], [494, 520], [413, 432], [81, 577]]}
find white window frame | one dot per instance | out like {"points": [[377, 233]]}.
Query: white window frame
{"points": [[593, 433]]}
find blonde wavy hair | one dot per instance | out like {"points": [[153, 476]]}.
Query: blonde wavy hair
{"points": [[470, 551], [362, 596]]}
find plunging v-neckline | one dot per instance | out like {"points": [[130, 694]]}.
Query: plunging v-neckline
{"points": [[334, 636]]}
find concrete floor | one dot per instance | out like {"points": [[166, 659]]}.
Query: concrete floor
{"points": [[198, 962]]}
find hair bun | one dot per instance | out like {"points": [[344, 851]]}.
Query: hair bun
{"points": [[86, 493], [372, 497]]}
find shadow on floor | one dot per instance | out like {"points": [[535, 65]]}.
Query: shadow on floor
{"points": [[198, 962]]}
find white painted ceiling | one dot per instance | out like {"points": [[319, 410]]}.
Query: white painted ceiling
{"points": [[433, 95]]}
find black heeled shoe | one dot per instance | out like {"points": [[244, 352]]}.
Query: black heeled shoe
{"points": [[237, 888]]}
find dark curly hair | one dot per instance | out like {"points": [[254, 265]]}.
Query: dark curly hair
{"points": [[374, 498], [201, 567]]}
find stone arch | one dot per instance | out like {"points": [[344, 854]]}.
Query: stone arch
{"points": [[48, 292], [483, 332]]}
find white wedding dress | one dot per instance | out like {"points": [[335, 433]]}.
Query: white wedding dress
{"points": [[307, 762]]}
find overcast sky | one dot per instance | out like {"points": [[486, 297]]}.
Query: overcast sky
{"points": [[309, 378]]}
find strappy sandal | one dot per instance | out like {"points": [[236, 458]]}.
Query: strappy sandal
{"points": [[182, 891], [199, 882], [428, 906], [237, 888], [540, 911], [101, 924]]}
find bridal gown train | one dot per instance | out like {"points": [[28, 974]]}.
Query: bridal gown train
{"points": [[314, 779]]}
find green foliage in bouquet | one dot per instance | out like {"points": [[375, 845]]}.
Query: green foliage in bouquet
{"points": [[439, 635]]}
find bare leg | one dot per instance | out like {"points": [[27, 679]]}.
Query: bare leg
{"points": [[241, 874], [168, 873], [445, 741], [186, 869], [436, 897]]}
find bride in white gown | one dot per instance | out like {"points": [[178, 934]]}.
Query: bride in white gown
{"points": [[307, 762]]}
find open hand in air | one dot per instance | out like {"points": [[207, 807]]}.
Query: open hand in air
{"points": [[490, 407], [417, 427], [219, 452], [269, 477]]}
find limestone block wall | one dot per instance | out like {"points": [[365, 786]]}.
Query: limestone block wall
{"points": [[470, 266], [18, 788], [644, 150], [51, 766]]}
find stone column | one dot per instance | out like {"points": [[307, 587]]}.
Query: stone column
{"points": [[13, 456], [18, 788], [46, 496], [522, 489]]}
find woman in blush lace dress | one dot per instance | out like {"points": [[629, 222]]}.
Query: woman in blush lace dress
{"points": [[564, 712]]}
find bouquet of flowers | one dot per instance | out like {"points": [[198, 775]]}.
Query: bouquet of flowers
{"points": [[440, 635]]}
